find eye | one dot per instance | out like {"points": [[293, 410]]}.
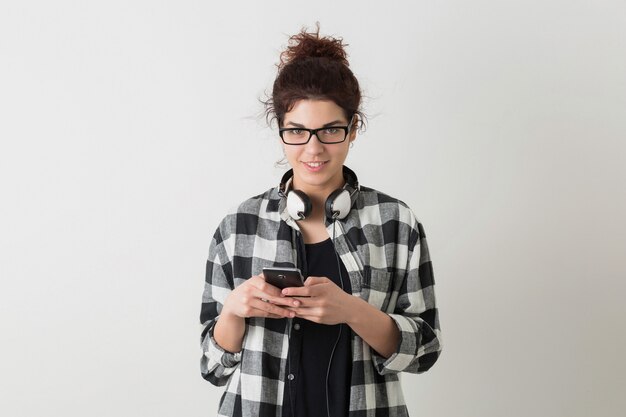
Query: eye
{"points": [[331, 131], [295, 132]]}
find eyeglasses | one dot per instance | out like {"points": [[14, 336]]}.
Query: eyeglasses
{"points": [[302, 136]]}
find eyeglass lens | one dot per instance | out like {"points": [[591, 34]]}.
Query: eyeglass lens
{"points": [[300, 136]]}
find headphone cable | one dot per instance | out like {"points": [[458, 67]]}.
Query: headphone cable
{"points": [[332, 353]]}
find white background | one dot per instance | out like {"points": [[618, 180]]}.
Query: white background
{"points": [[128, 128]]}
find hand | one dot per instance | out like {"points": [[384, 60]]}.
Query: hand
{"points": [[257, 298], [328, 304]]}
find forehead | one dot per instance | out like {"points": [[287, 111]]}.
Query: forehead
{"points": [[314, 111]]}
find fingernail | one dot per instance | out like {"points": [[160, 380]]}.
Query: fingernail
{"points": [[296, 303]]}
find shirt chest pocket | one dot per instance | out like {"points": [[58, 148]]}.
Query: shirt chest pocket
{"points": [[377, 286]]}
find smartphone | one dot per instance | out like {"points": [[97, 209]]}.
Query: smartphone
{"points": [[282, 277]]}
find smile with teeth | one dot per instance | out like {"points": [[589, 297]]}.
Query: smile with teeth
{"points": [[315, 164]]}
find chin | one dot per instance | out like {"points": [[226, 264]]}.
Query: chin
{"points": [[316, 179]]}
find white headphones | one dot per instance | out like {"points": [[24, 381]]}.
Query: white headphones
{"points": [[338, 203]]}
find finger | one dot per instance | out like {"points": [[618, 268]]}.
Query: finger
{"points": [[297, 291], [264, 314], [283, 302], [269, 308], [266, 288], [280, 300], [306, 304], [315, 280], [277, 313], [286, 301], [300, 302], [311, 314]]}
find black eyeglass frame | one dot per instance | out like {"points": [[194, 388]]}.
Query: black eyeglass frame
{"points": [[312, 132]]}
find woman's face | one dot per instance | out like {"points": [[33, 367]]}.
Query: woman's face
{"points": [[317, 167]]}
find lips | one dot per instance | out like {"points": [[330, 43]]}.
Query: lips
{"points": [[314, 166]]}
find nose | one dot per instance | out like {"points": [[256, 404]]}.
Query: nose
{"points": [[314, 146]]}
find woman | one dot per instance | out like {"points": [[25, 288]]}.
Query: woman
{"points": [[366, 311]]}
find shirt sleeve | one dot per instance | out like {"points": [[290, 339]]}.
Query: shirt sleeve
{"points": [[216, 364], [415, 314]]}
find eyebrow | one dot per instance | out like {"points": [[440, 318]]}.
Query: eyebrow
{"points": [[326, 125]]}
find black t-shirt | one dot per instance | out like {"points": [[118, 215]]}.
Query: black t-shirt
{"points": [[310, 348]]}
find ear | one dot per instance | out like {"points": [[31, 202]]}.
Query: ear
{"points": [[353, 129]]}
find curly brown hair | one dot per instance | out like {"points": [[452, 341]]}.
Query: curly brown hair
{"points": [[316, 68]]}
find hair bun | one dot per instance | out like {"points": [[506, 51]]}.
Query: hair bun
{"points": [[309, 44]]}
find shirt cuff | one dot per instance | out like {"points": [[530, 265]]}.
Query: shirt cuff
{"points": [[406, 351], [217, 354]]}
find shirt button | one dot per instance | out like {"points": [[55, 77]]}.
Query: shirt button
{"points": [[296, 326], [290, 377]]}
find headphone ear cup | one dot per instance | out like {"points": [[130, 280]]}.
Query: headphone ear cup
{"points": [[298, 205], [338, 204]]}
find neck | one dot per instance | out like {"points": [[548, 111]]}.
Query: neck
{"points": [[318, 195]]}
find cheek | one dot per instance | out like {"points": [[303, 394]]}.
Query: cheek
{"points": [[290, 153], [340, 152]]}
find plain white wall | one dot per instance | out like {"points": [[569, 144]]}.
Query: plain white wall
{"points": [[128, 128]]}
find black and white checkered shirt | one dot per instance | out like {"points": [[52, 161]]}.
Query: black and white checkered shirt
{"points": [[384, 249]]}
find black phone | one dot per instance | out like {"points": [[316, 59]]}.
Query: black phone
{"points": [[282, 277]]}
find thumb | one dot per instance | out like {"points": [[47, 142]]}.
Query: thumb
{"points": [[315, 281]]}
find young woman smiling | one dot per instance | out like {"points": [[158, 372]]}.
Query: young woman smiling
{"points": [[366, 311]]}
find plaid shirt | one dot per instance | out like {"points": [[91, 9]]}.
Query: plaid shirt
{"points": [[384, 249]]}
